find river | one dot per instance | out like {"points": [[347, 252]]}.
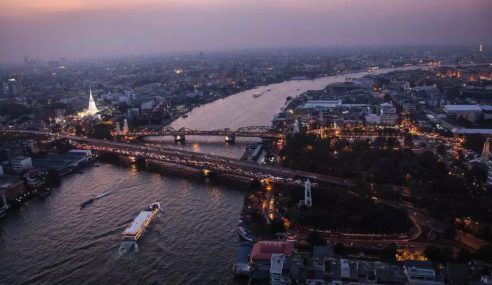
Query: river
{"points": [[243, 110], [52, 241]]}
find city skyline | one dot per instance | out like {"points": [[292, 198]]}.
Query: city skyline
{"points": [[81, 29]]}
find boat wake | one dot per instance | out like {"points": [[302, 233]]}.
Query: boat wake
{"points": [[127, 247], [110, 191]]}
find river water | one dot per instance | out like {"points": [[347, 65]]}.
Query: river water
{"points": [[243, 110], [52, 241]]}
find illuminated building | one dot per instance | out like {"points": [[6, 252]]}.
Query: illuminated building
{"points": [[91, 109], [125, 127]]}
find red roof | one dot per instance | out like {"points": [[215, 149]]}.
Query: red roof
{"points": [[263, 250]]}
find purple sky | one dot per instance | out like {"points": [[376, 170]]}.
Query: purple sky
{"points": [[49, 29]]}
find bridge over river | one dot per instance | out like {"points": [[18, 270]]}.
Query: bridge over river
{"points": [[215, 163], [228, 134]]}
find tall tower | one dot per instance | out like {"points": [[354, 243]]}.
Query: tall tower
{"points": [[125, 127], [308, 199], [91, 109], [485, 152], [118, 129]]}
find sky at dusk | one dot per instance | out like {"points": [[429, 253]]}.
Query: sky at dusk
{"points": [[49, 29]]}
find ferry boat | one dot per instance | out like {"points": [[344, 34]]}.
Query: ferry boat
{"points": [[257, 94], [141, 222]]}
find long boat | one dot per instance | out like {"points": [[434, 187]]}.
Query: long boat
{"points": [[136, 228]]}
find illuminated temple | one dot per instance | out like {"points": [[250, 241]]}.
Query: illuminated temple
{"points": [[91, 109]]}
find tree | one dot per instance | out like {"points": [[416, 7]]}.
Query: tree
{"points": [[484, 253], [437, 254], [277, 226], [389, 252], [449, 233], [101, 131], [340, 249], [441, 149], [315, 238], [79, 131], [463, 256]]}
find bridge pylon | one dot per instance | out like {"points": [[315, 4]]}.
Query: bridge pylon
{"points": [[179, 138], [230, 138]]}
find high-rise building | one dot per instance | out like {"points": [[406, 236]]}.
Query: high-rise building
{"points": [[481, 47]]}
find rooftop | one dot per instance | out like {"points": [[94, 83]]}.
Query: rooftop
{"points": [[277, 263], [263, 250], [137, 223], [463, 108], [311, 104]]}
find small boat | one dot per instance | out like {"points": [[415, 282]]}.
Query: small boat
{"points": [[87, 203], [257, 94], [243, 234], [184, 116], [136, 228]]}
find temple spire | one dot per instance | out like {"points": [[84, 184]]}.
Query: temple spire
{"points": [[91, 109]]}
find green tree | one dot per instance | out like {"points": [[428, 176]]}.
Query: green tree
{"points": [[315, 238], [484, 253], [101, 131]]}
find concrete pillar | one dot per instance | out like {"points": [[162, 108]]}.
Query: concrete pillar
{"points": [[179, 138], [230, 138]]}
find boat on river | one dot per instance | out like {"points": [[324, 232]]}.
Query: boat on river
{"points": [[257, 94], [244, 235], [87, 203], [136, 228]]}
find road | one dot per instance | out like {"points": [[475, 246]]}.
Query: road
{"points": [[194, 159]]}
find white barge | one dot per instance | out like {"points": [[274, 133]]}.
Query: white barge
{"points": [[141, 222]]}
